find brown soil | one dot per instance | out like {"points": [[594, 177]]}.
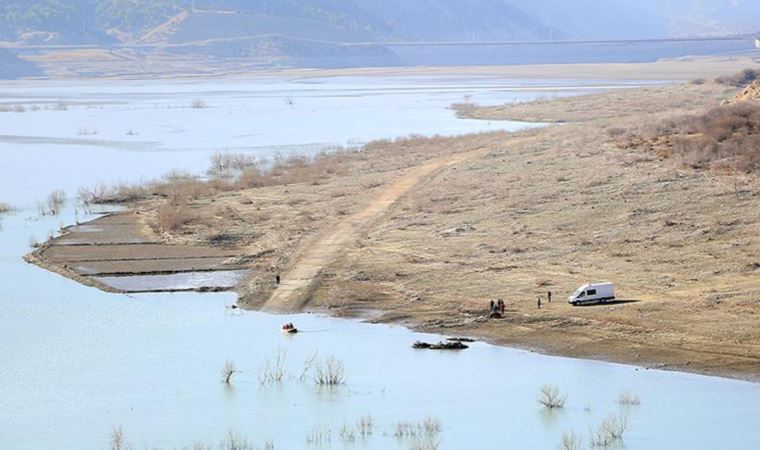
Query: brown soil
{"points": [[314, 255], [123, 245], [750, 93], [427, 231]]}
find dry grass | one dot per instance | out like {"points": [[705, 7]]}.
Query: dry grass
{"points": [[613, 104]]}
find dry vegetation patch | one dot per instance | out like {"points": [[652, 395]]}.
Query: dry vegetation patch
{"points": [[613, 104], [723, 138]]}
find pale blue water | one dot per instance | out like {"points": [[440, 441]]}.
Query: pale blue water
{"points": [[76, 362], [88, 143]]}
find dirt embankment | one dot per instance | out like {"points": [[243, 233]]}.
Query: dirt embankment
{"points": [[427, 231], [750, 93]]}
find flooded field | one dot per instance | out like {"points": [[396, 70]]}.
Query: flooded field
{"points": [[78, 363]]}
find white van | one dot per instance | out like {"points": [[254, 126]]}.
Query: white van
{"points": [[592, 293]]}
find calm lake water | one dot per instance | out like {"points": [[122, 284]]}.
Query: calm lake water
{"points": [[76, 362]]}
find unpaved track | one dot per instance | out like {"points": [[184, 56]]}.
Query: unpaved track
{"points": [[299, 282]]}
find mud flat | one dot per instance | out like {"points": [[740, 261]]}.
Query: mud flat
{"points": [[120, 253]]}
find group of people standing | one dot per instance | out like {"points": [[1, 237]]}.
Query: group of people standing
{"points": [[497, 308]]}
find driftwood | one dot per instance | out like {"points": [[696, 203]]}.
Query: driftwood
{"points": [[455, 345], [460, 339]]}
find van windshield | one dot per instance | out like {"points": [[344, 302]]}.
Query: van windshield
{"points": [[578, 292]]}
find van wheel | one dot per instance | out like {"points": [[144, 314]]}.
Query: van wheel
{"points": [[576, 303]]}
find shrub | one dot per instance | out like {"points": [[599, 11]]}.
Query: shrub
{"points": [[608, 432], [329, 372], [616, 131], [429, 426], [118, 440], [347, 433], [53, 204], [273, 370], [725, 138], [628, 399], [740, 79], [570, 441], [308, 365], [550, 397], [319, 437], [425, 443], [198, 103], [222, 162], [228, 371], [365, 425], [252, 177], [235, 441], [172, 217], [120, 193], [4, 208]]}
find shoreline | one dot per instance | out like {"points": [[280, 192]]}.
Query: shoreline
{"points": [[376, 317], [436, 251], [671, 69]]}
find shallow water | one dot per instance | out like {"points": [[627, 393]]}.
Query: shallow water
{"points": [[129, 131], [76, 362], [175, 281]]}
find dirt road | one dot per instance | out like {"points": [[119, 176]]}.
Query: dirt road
{"points": [[302, 277]]}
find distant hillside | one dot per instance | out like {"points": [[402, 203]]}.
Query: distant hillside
{"points": [[208, 34], [125, 21]]}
